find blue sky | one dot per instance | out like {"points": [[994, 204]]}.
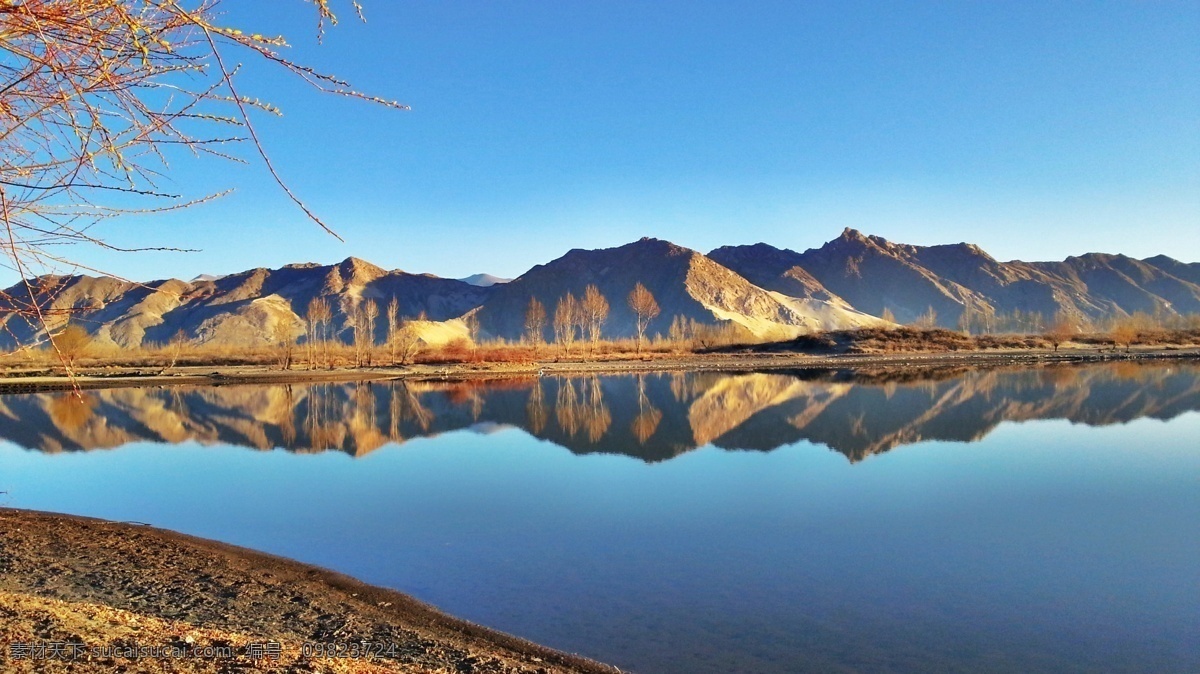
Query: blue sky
{"points": [[1037, 130]]}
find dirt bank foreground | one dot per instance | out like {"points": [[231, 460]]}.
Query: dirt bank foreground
{"points": [[85, 595]]}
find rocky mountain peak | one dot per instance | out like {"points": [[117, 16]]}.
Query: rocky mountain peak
{"points": [[652, 245], [758, 253], [353, 269], [963, 252], [852, 239]]}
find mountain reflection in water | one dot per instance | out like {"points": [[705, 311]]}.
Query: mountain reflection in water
{"points": [[652, 417]]}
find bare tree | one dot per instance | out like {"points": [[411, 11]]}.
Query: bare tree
{"points": [[310, 334], [535, 322], [1035, 321], [988, 317], [645, 309], [976, 317], [318, 317], [1062, 330], [927, 320], [887, 315], [362, 323], [681, 332], [967, 317], [370, 317], [175, 348], [594, 309], [1124, 332], [471, 321], [355, 323], [406, 342], [565, 321], [284, 336], [581, 321], [99, 98], [393, 312]]}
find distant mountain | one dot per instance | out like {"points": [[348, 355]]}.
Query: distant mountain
{"points": [[770, 292], [1189, 272], [238, 309], [773, 269], [1123, 285], [684, 283], [484, 280], [873, 274], [868, 272]]}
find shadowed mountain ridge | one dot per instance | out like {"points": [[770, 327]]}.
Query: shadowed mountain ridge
{"points": [[874, 274], [685, 284]]}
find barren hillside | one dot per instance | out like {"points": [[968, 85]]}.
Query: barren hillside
{"points": [[239, 309]]}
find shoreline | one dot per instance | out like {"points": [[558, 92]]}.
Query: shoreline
{"points": [[109, 584], [257, 374]]}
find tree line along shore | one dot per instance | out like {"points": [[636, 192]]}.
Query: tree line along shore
{"points": [[577, 338], [886, 350]]}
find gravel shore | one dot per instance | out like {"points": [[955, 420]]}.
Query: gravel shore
{"points": [[31, 382], [87, 595]]}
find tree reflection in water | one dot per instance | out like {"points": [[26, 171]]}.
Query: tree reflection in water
{"points": [[649, 416]]}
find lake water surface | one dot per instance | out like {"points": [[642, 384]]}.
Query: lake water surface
{"points": [[1042, 520]]}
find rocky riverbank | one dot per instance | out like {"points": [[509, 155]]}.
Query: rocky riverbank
{"points": [[86, 595]]}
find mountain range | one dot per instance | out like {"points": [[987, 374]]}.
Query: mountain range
{"points": [[853, 281]]}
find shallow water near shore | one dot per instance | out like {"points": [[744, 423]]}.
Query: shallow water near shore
{"points": [[1036, 520]]}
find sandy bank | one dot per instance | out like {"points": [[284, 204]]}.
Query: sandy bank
{"points": [[106, 588]]}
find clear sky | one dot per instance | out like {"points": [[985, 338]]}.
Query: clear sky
{"points": [[1037, 130]]}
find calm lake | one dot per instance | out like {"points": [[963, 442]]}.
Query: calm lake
{"points": [[1036, 520]]}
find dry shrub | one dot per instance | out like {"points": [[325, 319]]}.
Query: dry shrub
{"points": [[507, 353], [874, 340], [900, 339], [457, 351], [1012, 342]]}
